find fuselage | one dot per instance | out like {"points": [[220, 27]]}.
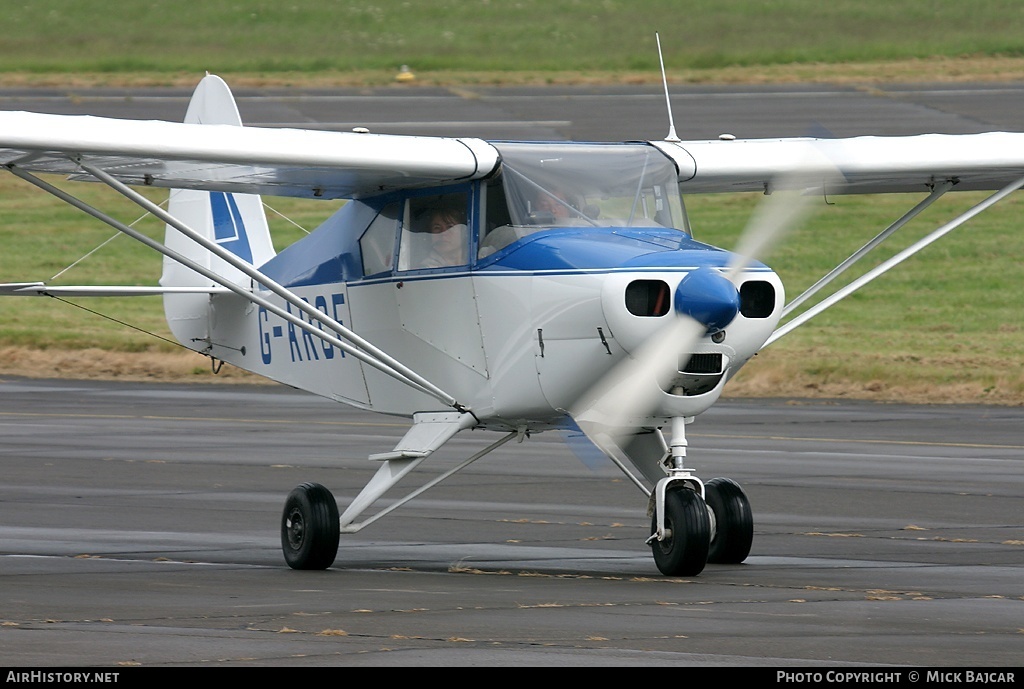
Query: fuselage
{"points": [[514, 294]]}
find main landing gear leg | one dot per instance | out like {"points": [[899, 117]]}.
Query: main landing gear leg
{"points": [[694, 523], [680, 525], [311, 525]]}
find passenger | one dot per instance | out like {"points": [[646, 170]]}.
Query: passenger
{"points": [[449, 237]]}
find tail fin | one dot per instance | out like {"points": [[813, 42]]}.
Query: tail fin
{"points": [[234, 221]]}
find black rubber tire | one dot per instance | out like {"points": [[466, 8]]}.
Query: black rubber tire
{"points": [[685, 552], [734, 521], [309, 527]]}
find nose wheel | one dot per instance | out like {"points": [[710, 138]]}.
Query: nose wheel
{"points": [[734, 522], [718, 528], [684, 549]]}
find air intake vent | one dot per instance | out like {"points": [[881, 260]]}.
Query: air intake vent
{"points": [[647, 298], [704, 363], [757, 299]]}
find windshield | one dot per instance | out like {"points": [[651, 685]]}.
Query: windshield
{"points": [[568, 184]]}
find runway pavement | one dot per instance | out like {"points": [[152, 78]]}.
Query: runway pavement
{"points": [[139, 525], [594, 113]]}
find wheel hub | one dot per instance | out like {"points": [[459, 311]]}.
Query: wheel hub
{"points": [[296, 529]]}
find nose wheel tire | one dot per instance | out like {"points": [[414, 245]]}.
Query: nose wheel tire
{"points": [[734, 522], [310, 528], [684, 552]]}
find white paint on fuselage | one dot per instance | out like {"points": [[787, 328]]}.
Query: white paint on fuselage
{"points": [[516, 347]]}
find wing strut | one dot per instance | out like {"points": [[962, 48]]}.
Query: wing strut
{"points": [[400, 462], [885, 266], [365, 352], [937, 193]]}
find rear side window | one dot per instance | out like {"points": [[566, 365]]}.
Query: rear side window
{"points": [[377, 244]]}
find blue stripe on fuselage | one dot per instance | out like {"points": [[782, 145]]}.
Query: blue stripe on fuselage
{"points": [[578, 251], [330, 254], [589, 249]]}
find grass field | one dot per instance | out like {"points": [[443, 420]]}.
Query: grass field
{"points": [[491, 40], [946, 326]]}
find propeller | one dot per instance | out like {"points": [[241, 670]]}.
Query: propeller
{"points": [[706, 301]]}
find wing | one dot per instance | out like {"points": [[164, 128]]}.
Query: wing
{"points": [[277, 162], [934, 163], [212, 152], [861, 165], [41, 289]]}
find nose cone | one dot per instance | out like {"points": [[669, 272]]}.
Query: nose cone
{"points": [[708, 297]]}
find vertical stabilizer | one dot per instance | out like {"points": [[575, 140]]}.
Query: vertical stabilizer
{"points": [[234, 221]]}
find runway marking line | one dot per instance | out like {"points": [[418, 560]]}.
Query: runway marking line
{"points": [[153, 417], [866, 441], [863, 441]]}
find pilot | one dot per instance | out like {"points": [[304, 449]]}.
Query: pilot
{"points": [[449, 236], [556, 207]]}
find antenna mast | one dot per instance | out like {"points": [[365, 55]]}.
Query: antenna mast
{"points": [[664, 80]]}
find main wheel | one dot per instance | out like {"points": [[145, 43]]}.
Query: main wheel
{"points": [[734, 522], [309, 527], [685, 551]]}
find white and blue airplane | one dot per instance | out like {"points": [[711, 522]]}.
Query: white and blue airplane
{"points": [[513, 287]]}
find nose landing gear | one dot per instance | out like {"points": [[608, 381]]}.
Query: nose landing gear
{"points": [[686, 534], [734, 523], [695, 523]]}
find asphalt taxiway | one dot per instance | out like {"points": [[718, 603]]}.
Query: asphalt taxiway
{"points": [[139, 525], [581, 113]]}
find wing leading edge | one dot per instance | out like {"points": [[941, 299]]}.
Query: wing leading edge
{"points": [[323, 164], [858, 165], [277, 162]]}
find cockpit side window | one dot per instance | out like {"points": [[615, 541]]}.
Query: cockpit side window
{"points": [[435, 232], [497, 230]]}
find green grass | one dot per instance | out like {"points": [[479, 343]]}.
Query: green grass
{"points": [[950, 317], [968, 278], [44, 239], [964, 288], [229, 36]]}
